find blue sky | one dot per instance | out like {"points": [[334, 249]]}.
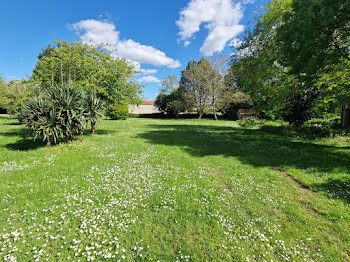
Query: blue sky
{"points": [[158, 36]]}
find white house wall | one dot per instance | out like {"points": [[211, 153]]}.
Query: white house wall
{"points": [[143, 109]]}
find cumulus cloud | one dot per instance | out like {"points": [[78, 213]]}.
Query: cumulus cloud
{"points": [[105, 32], [145, 54], [137, 67], [220, 17], [149, 79], [97, 31]]}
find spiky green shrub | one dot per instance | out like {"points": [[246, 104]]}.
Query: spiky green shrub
{"points": [[56, 115], [118, 112], [94, 110]]}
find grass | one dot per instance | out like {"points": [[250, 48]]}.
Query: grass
{"points": [[167, 190]]}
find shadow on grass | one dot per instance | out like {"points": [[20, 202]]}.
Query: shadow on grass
{"points": [[26, 144], [103, 132], [26, 141], [338, 188], [257, 147]]}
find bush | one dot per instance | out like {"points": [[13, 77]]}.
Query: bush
{"points": [[118, 112], [57, 114]]}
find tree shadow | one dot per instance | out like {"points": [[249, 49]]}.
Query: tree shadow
{"points": [[104, 132], [338, 188], [257, 147], [26, 141], [26, 145]]}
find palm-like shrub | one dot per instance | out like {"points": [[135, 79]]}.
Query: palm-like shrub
{"points": [[94, 110], [57, 114]]}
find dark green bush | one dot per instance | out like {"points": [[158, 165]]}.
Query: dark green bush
{"points": [[56, 115], [118, 112]]}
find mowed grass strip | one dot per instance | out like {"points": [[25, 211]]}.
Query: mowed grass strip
{"points": [[145, 189]]}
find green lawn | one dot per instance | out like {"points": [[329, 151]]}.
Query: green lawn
{"points": [[168, 190]]}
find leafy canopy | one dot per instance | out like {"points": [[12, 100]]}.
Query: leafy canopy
{"points": [[90, 67]]}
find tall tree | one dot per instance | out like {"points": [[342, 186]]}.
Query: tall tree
{"points": [[255, 69], [169, 84], [216, 82], [196, 80], [93, 68], [314, 36], [336, 79], [171, 99], [14, 94]]}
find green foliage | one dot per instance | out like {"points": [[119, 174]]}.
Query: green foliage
{"points": [[91, 67], [314, 34], [56, 115], [203, 85], [94, 110], [255, 68], [194, 81], [239, 100], [171, 99], [284, 61], [118, 112], [14, 94], [169, 84]]}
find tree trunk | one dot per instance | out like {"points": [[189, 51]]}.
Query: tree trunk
{"points": [[200, 114], [216, 117], [93, 127], [61, 72], [345, 116]]}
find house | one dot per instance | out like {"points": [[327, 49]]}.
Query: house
{"points": [[147, 107]]}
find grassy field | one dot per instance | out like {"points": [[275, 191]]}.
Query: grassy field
{"points": [[169, 190]]}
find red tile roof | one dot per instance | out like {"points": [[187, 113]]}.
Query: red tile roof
{"points": [[148, 102]]}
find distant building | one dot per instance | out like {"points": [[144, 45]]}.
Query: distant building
{"points": [[147, 107]]}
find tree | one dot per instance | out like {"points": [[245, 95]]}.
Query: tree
{"points": [[313, 37], [255, 69], [337, 91], [94, 108], [261, 68], [196, 81], [169, 84], [171, 99], [2, 98], [93, 68], [220, 94], [314, 34], [14, 94]]}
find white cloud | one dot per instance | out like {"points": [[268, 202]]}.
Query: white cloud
{"points": [[149, 79], [97, 31], [145, 54], [149, 71], [186, 43], [105, 32], [221, 18], [137, 67], [248, 1]]}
